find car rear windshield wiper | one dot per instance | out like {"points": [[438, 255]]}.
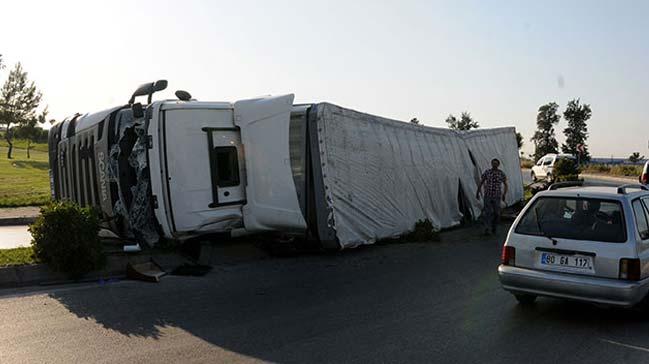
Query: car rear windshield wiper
{"points": [[538, 224]]}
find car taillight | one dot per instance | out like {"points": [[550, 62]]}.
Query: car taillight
{"points": [[508, 256], [645, 178], [630, 269]]}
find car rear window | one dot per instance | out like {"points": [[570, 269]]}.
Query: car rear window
{"points": [[575, 218]]}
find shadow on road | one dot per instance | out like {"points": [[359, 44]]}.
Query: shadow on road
{"points": [[406, 302]]}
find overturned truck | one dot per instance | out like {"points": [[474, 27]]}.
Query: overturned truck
{"points": [[177, 169]]}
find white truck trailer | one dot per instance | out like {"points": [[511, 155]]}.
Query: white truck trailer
{"points": [[182, 168]]}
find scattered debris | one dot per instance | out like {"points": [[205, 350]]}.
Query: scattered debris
{"points": [[148, 271], [135, 248]]}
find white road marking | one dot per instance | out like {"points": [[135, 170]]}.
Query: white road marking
{"points": [[646, 350]]}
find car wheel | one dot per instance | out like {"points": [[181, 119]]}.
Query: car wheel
{"points": [[533, 175], [525, 299]]}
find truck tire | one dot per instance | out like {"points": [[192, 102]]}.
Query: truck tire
{"points": [[525, 299]]}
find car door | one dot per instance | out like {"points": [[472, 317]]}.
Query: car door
{"points": [[642, 226], [538, 168], [548, 162]]}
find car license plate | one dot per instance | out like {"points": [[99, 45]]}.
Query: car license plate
{"points": [[574, 262]]}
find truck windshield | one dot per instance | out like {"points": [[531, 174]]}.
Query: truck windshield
{"points": [[574, 218]]}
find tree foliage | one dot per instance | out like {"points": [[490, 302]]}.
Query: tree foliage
{"points": [[19, 100], [31, 131], [565, 169], [577, 131], [544, 138], [519, 140], [465, 122], [635, 157]]}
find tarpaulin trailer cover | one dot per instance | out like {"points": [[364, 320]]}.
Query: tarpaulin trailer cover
{"points": [[380, 176]]}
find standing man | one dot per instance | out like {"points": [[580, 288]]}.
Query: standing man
{"points": [[492, 179]]}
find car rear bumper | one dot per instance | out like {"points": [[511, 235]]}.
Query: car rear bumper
{"points": [[570, 286]]}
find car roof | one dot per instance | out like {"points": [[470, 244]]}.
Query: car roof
{"points": [[558, 155], [608, 192]]}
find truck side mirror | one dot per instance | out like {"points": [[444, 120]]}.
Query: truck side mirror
{"points": [[183, 95], [148, 89]]}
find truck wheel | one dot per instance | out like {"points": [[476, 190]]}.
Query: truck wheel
{"points": [[525, 299]]}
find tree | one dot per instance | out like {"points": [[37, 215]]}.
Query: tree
{"points": [[30, 130], [465, 122], [577, 132], [544, 140], [19, 100], [635, 157], [1, 63], [519, 140], [414, 121]]}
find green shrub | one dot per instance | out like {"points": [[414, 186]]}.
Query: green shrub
{"points": [[65, 237], [424, 231], [623, 170], [565, 169], [597, 168]]}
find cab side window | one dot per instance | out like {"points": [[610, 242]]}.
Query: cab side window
{"points": [[548, 161], [225, 166], [540, 162], [641, 219]]}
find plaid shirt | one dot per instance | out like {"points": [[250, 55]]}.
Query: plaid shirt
{"points": [[493, 179]]}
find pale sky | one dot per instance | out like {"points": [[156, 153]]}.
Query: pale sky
{"points": [[498, 60]]}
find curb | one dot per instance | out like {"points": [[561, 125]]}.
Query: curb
{"points": [[13, 221], [41, 274]]}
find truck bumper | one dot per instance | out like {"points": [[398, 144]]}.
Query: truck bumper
{"points": [[570, 286]]}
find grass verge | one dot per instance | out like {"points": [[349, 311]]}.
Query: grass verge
{"points": [[17, 256], [24, 182], [616, 170]]}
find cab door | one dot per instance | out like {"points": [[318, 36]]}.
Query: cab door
{"points": [[204, 168]]}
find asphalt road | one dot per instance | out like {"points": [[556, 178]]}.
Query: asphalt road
{"points": [[588, 180], [432, 302]]}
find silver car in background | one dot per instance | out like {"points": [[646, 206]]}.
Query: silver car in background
{"points": [[586, 243]]}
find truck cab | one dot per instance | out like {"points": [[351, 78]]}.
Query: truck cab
{"points": [[181, 168]]}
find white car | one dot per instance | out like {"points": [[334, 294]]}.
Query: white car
{"points": [[544, 166], [644, 177], [585, 243]]}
